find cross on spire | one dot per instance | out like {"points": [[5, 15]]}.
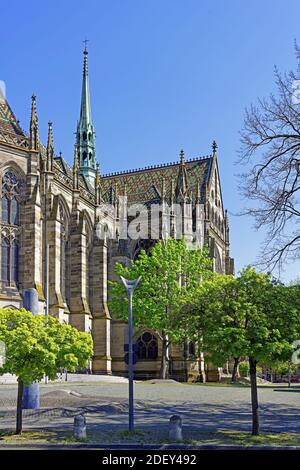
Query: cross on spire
{"points": [[85, 44]]}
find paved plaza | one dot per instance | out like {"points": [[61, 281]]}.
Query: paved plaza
{"points": [[203, 408]]}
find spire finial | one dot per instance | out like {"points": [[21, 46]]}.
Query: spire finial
{"points": [[182, 184], [34, 126], [85, 46], [214, 147], [50, 135], [97, 179], [85, 60], [181, 156], [50, 148]]}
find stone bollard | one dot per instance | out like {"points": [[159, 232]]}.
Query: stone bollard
{"points": [[79, 427], [175, 428]]}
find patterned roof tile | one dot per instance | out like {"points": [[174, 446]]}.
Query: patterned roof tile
{"points": [[144, 185], [8, 121]]}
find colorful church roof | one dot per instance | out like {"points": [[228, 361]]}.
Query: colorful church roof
{"points": [[145, 185], [8, 121]]}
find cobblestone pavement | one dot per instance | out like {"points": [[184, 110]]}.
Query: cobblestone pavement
{"points": [[205, 408]]}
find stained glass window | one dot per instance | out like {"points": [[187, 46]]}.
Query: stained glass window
{"points": [[11, 189], [15, 261], [5, 261], [148, 347], [5, 210], [11, 196]]}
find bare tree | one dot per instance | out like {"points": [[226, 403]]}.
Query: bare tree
{"points": [[270, 152]]}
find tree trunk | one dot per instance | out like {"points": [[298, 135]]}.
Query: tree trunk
{"points": [[19, 407], [163, 374], [254, 398], [234, 375]]}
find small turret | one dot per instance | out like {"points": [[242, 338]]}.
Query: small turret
{"points": [[34, 139], [214, 149], [50, 149], [182, 185]]}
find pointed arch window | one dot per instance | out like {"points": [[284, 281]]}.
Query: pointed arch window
{"points": [[5, 261], [88, 271], [218, 262], [14, 212], [63, 260], [5, 209], [147, 346], [143, 244], [64, 254], [15, 262], [11, 196]]}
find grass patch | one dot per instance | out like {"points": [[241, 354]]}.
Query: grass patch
{"points": [[220, 384], [149, 436], [278, 439], [246, 439], [26, 436], [73, 440]]}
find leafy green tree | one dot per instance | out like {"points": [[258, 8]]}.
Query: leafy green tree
{"points": [[169, 273], [248, 316], [36, 347], [244, 368]]}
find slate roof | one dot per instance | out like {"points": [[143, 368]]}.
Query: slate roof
{"points": [[8, 121], [144, 185]]}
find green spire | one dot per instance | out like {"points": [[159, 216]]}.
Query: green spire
{"points": [[85, 129]]}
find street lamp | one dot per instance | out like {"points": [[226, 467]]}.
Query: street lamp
{"points": [[130, 286]]}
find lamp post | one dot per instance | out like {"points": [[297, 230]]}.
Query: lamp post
{"points": [[130, 286]]}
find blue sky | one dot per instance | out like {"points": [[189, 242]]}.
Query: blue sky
{"points": [[165, 75]]}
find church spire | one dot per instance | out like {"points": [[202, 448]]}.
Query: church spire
{"points": [[85, 129]]}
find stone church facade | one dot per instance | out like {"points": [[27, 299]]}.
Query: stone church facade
{"points": [[49, 217]]}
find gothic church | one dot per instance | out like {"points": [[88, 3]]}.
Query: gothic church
{"points": [[50, 210]]}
